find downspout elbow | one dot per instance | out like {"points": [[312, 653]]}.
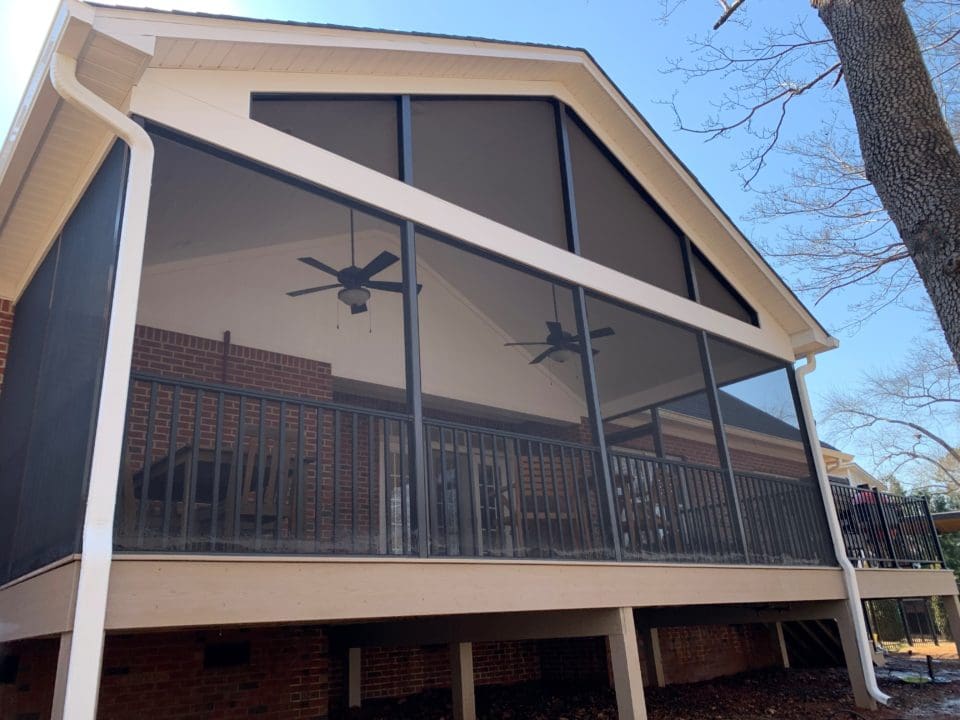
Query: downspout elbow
{"points": [[854, 601]]}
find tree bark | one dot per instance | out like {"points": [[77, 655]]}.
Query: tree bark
{"points": [[908, 152]]}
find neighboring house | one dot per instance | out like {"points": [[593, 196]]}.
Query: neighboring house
{"points": [[948, 521], [327, 348]]}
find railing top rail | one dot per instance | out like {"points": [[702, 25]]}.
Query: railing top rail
{"points": [[261, 395], [906, 499], [466, 427], [663, 461], [767, 477]]}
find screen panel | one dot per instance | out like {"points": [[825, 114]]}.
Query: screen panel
{"points": [[360, 129], [69, 374], [496, 157]]}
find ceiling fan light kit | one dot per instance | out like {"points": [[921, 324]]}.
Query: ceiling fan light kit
{"points": [[354, 296]]}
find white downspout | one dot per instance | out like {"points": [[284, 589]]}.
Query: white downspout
{"points": [[836, 535], [83, 671]]}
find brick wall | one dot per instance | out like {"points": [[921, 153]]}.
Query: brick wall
{"points": [[6, 327], [692, 654], [292, 673], [177, 356], [398, 672], [574, 659], [30, 695], [162, 675]]}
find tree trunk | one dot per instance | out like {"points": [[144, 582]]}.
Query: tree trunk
{"points": [[907, 149]]}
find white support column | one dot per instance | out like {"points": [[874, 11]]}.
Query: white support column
{"points": [[60, 684], [951, 605], [651, 643], [627, 676], [354, 678], [851, 655], [781, 645], [461, 669]]}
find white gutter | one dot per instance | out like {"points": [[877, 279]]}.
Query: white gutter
{"points": [[854, 601], [83, 673]]}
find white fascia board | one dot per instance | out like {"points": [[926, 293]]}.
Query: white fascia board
{"points": [[273, 148], [190, 27]]}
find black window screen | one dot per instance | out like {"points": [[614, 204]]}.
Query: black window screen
{"points": [[52, 385], [498, 158], [361, 129], [717, 293]]}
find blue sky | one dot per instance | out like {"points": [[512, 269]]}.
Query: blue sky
{"points": [[625, 38]]}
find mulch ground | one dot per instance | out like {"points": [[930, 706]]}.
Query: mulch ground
{"points": [[772, 694]]}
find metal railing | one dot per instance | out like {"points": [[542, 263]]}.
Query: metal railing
{"points": [[211, 468], [494, 493], [678, 511], [881, 529]]}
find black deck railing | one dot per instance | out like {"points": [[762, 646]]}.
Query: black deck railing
{"points": [[682, 511], [884, 530], [494, 493], [210, 468], [221, 469]]}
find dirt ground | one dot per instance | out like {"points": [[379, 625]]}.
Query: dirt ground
{"points": [[767, 695], [944, 651]]}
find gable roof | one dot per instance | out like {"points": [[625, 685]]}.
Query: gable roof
{"points": [[42, 170]]}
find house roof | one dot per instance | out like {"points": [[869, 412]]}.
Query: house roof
{"points": [[52, 150], [947, 522], [739, 414]]}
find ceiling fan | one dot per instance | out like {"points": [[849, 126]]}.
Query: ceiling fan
{"points": [[561, 345], [355, 282]]}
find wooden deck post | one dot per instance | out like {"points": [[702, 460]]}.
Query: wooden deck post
{"points": [[60, 684], [851, 655], [461, 669], [627, 676], [951, 605], [354, 678], [781, 645], [651, 643]]}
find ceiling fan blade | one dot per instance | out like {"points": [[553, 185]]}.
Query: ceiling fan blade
{"points": [[602, 332], [384, 285], [543, 356], [554, 328], [380, 263], [313, 262], [594, 334], [307, 291], [357, 309], [532, 342]]}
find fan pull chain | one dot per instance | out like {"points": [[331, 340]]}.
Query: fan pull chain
{"points": [[338, 316]]}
